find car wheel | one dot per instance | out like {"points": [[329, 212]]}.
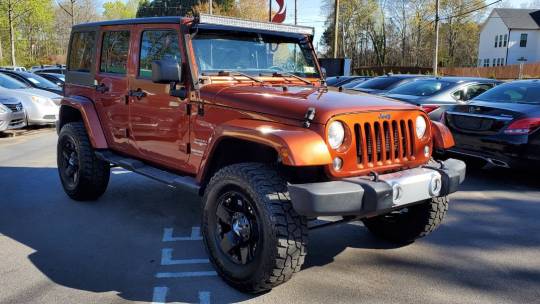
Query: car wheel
{"points": [[254, 237], [408, 224], [83, 175]]}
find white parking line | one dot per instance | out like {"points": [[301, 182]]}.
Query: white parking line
{"points": [[160, 295], [186, 274], [195, 235], [204, 297], [166, 259]]}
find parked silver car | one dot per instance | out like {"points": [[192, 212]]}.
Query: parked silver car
{"points": [[11, 114], [41, 107]]}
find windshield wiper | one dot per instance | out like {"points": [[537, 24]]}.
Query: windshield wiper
{"points": [[282, 74], [232, 73]]}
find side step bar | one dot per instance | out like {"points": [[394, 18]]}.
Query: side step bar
{"points": [[174, 180]]}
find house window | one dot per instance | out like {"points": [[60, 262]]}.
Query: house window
{"points": [[486, 62], [505, 41], [500, 40], [496, 40], [502, 61], [479, 62], [523, 40], [494, 61]]}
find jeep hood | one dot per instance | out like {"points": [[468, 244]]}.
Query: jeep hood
{"points": [[293, 101]]}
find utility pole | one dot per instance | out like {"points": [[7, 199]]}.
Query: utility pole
{"points": [[270, 11], [436, 51], [336, 16], [295, 13], [210, 7]]}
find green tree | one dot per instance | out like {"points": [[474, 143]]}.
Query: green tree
{"points": [[119, 9]]}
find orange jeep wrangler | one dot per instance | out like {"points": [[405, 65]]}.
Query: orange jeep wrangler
{"points": [[237, 112]]}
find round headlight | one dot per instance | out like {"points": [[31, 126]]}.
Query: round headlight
{"points": [[420, 126], [336, 134]]}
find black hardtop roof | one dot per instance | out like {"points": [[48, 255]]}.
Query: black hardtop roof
{"points": [[147, 20]]}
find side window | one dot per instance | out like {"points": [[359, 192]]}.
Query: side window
{"points": [[114, 52], [459, 94], [157, 45], [476, 89], [81, 51]]}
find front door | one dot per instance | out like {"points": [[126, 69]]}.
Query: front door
{"points": [[159, 122], [112, 86]]}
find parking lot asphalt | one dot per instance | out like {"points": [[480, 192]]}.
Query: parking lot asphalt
{"points": [[140, 243]]}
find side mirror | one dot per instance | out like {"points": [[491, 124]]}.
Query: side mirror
{"points": [[166, 71]]}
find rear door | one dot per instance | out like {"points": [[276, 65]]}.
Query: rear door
{"points": [[159, 122], [112, 86]]}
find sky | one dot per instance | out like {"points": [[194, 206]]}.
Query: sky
{"points": [[310, 12]]}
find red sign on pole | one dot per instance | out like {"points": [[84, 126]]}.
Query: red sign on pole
{"points": [[279, 17]]}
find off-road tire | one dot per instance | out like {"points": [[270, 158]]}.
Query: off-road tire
{"points": [[405, 227], [93, 173], [284, 232]]}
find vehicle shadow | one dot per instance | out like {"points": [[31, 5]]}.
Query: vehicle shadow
{"points": [[114, 244]]}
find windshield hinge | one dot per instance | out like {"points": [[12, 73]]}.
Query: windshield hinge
{"points": [[309, 116]]}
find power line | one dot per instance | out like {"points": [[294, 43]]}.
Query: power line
{"points": [[471, 11]]}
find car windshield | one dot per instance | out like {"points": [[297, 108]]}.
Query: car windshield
{"points": [[379, 83], [253, 54], [421, 88], [41, 82], [10, 83], [518, 92]]}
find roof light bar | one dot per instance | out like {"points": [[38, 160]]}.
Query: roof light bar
{"points": [[257, 25]]}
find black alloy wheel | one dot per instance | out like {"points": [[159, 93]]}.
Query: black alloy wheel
{"points": [[237, 229], [69, 164]]}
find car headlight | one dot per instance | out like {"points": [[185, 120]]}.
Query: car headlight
{"points": [[3, 109], [41, 100], [336, 134], [421, 125]]}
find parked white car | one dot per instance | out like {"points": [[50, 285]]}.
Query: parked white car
{"points": [[11, 114], [12, 68], [41, 106]]}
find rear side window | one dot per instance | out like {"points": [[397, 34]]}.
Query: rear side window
{"points": [[114, 52], [157, 45], [81, 50]]}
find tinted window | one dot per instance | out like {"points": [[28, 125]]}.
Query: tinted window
{"points": [[157, 45], [114, 52], [476, 89], [10, 83], [519, 92], [81, 50], [41, 82], [379, 83], [421, 88]]}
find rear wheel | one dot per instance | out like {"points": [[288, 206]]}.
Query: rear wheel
{"points": [[254, 237], [407, 224], [83, 175]]}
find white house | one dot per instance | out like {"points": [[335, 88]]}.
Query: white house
{"points": [[510, 36]]}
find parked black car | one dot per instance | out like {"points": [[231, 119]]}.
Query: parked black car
{"points": [[437, 94], [34, 80], [381, 84], [338, 81], [500, 126], [54, 70], [59, 79], [355, 82]]}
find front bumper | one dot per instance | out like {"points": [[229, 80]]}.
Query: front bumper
{"points": [[362, 197], [12, 120]]}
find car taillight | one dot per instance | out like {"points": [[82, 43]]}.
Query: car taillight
{"points": [[523, 126], [429, 108]]}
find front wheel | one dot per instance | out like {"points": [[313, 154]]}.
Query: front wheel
{"points": [[254, 237], [83, 175], [406, 225]]}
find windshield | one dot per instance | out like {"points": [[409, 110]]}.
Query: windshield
{"points": [[252, 53], [379, 83], [421, 88], [518, 92], [10, 83], [41, 82]]}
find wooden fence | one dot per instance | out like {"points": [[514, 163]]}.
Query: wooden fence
{"points": [[381, 70], [529, 70]]}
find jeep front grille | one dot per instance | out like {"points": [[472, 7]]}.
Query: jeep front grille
{"points": [[384, 143]]}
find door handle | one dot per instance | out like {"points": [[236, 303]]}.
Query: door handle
{"points": [[138, 93], [102, 88]]}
